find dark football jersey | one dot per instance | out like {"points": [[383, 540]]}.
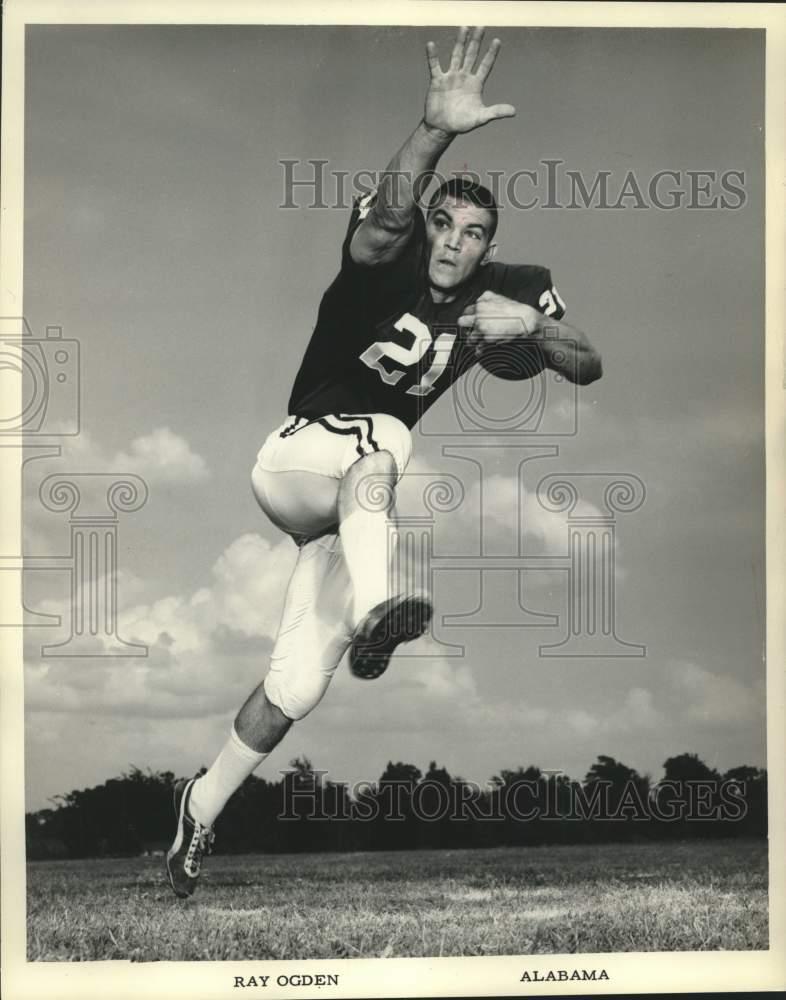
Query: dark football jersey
{"points": [[382, 345]]}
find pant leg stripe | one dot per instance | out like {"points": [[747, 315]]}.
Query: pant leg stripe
{"points": [[370, 424], [346, 430], [290, 428]]}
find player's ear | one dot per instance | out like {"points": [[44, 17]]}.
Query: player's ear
{"points": [[489, 255]]}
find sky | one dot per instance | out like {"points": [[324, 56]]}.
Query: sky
{"points": [[155, 236]]}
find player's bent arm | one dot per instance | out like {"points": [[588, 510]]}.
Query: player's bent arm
{"points": [[387, 228], [567, 350], [496, 320], [564, 348]]}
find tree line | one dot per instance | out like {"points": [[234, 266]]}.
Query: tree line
{"points": [[408, 809]]}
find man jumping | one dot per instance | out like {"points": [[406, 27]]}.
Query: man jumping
{"points": [[416, 303]]}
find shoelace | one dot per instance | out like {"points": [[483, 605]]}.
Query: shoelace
{"points": [[201, 843]]}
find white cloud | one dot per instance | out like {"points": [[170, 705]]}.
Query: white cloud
{"points": [[638, 712], [128, 589], [716, 698], [161, 456], [209, 647], [246, 596], [503, 505], [421, 694], [250, 578], [581, 721], [153, 687], [509, 507], [187, 672], [634, 714], [416, 691]]}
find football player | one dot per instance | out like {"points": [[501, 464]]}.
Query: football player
{"points": [[417, 301]]}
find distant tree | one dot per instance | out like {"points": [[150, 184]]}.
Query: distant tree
{"points": [[438, 775], [745, 774], [749, 796], [616, 796], [471, 823], [688, 767], [506, 777], [250, 820], [124, 816], [42, 834], [433, 803], [520, 796], [610, 770], [395, 826], [694, 789], [405, 774], [301, 806], [132, 813]]}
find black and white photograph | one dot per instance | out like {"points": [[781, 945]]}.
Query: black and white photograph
{"points": [[392, 443]]}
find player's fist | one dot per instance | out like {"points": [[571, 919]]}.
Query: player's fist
{"points": [[454, 101], [495, 319]]}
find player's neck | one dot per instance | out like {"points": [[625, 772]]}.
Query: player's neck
{"points": [[440, 297]]}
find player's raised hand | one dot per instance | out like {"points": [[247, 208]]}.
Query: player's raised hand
{"points": [[454, 102]]}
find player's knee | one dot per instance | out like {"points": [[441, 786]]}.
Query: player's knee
{"points": [[370, 484], [394, 437], [297, 695], [378, 463], [388, 446]]}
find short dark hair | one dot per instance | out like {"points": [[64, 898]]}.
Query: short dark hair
{"points": [[465, 189]]}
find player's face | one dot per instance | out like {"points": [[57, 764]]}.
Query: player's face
{"points": [[459, 234]]}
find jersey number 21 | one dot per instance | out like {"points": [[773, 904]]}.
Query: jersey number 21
{"points": [[409, 356]]}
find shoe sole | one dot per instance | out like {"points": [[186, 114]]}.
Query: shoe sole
{"points": [[403, 622], [179, 812]]}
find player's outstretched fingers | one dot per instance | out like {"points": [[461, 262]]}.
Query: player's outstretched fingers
{"points": [[473, 47], [457, 55], [489, 59], [433, 59], [497, 111]]}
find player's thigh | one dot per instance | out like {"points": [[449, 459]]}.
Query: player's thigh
{"points": [[314, 632], [303, 504], [295, 481], [300, 467]]}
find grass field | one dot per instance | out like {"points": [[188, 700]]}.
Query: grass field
{"points": [[613, 897]]}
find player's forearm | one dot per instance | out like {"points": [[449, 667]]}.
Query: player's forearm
{"points": [[568, 351], [405, 177]]}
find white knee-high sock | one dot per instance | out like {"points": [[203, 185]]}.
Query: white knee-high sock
{"points": [[365, 540], [230, 769]]}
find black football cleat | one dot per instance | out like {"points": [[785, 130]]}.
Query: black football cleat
{"points": [[192, 841], [396, 620]]}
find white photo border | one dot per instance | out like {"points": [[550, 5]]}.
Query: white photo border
{"points": [[628, 973]]}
